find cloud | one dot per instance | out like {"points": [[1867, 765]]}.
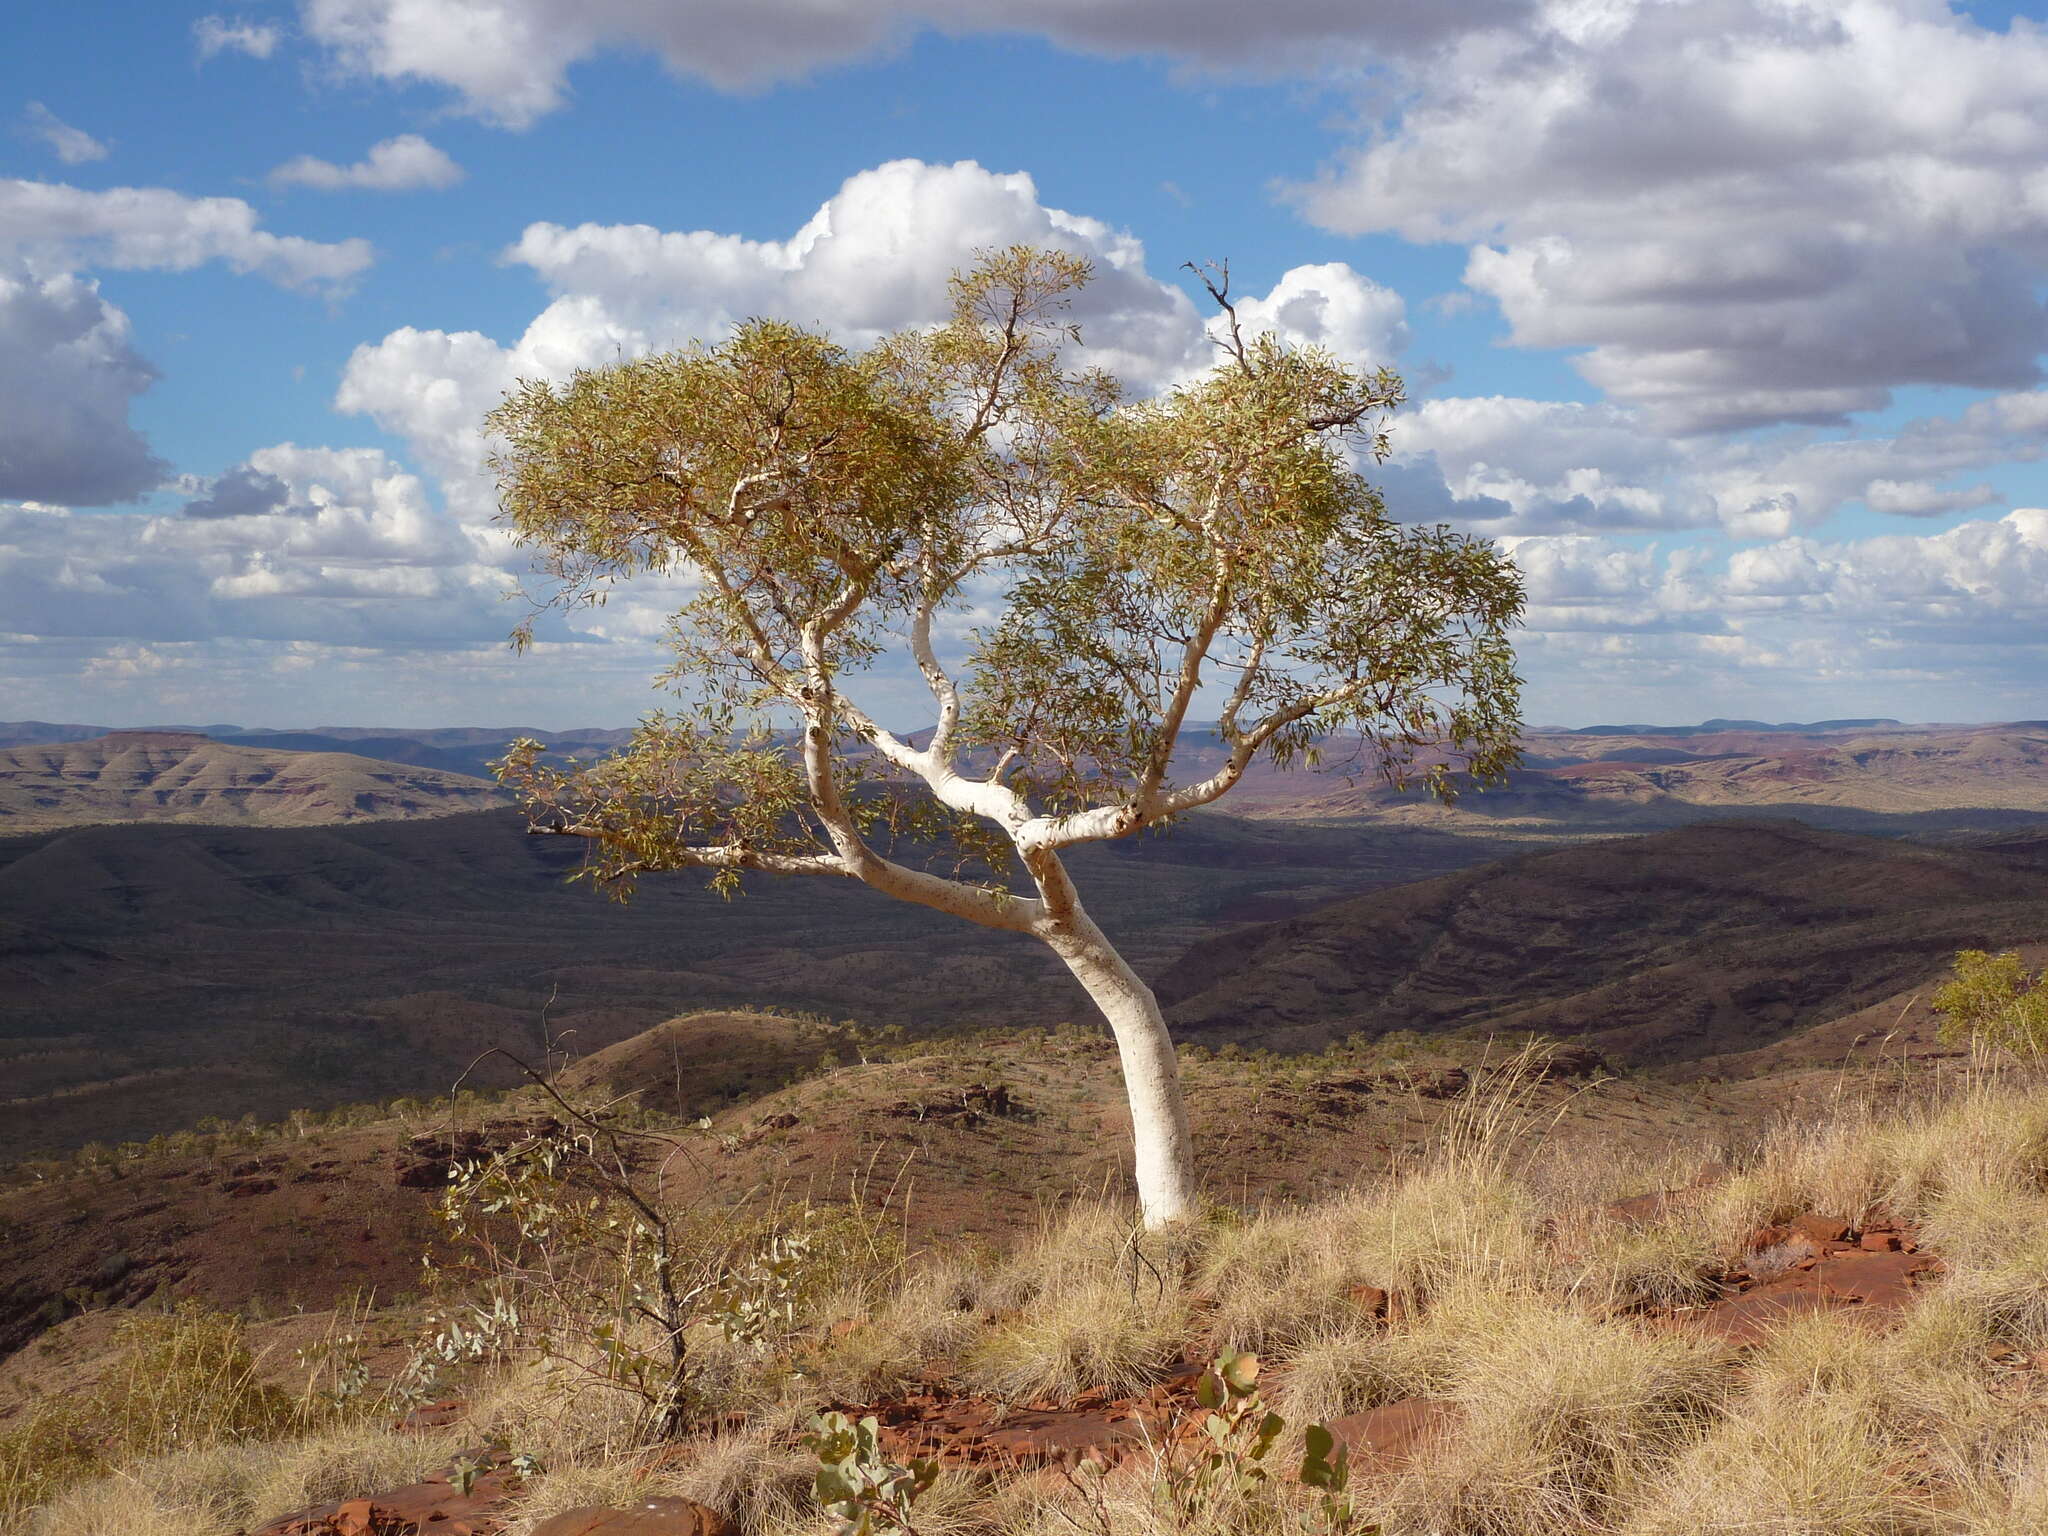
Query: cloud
{"points": [[1933, 626], [213, 35], [74, 146], [243, 491], [68, 373], [1918, 498], [874, 258], [1332, 307], [1984, 581], [151, 227], [507, 60], [407, 163], [1546, 466], [365, 559], [1743, 211]]}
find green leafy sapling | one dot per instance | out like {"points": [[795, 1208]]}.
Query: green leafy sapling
{"points": [[1239, 1427], [858, 1484]]}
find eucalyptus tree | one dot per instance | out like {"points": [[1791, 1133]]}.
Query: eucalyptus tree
{"points": [[1073, 574]]}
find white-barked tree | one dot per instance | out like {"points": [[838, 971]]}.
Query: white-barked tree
{"points": [[1074, 574]]}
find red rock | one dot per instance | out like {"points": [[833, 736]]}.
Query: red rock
{"points": [[1369, 1299], [1874, 1279], [1795, 1251], [1872, 1284], [652, 1517], [1750, 1317], [1818, 1228], [1879, 1242], [436, 1505], [1387, 1438], [1057, 1435]]}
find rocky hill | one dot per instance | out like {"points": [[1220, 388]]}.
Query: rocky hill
{"points": [[186, 777], [1845, 776], [1714, 939]]}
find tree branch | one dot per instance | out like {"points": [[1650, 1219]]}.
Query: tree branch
{"points": [[822, 706], [720, 855]]}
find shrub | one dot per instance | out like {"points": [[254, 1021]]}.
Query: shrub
{"points": [[1993, 1001]]}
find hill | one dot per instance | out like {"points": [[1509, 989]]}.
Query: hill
{"points": [[696, 1064], [186, 777], [1850, 777], [1710, 940], [158, 973]]}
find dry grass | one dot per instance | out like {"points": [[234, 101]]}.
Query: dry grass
{"points": [[1516, 1297], [1093, 1302], [223, 1489]]}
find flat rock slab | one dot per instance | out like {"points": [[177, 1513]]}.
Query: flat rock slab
{"points": [[980, 1431], [1833, 1276], [650, 1517], [1388, 1438], [436, 1507]]}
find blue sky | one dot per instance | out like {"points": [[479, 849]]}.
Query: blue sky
{"points": [[1725, 315]]}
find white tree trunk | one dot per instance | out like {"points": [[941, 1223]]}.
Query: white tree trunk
{"points": [[1164, 1159]]}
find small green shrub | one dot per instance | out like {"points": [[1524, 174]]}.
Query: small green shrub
{"points": [[1993, 1001]]}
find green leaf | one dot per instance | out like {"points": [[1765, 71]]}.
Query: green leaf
{"points": [[1240, 1372], [837, 1483]]}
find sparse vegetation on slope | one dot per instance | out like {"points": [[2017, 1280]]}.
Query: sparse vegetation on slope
{"points": [[1511, 1329]]}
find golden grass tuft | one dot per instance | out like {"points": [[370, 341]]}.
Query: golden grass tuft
{"points": [[1093, 1302]]}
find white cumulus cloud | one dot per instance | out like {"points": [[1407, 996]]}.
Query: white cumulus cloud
{"points": [[1737, 211], [1546, 466], [327, 545], [407, 163], [53, 225], [68, 373], [874, 258], [1932, 626]]}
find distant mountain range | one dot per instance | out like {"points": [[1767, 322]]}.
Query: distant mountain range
{"points": [[1596, 778], [186, 777], [1594, 781], [460, 749], [1713, 727]]}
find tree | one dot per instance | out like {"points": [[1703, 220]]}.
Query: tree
{"points": [[1127, 561]]}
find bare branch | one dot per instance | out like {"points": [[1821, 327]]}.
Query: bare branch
{"points": [[717, 855], [1215, 276]]}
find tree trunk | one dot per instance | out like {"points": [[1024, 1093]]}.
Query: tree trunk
{"points": [[1164, 1161]]}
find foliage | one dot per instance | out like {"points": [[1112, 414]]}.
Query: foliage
{"points": [[1241, 1430], [1239, 1426], [858, 1485], [1995, 1002], [583, 1259], [580, 1263], [830, 500]]}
